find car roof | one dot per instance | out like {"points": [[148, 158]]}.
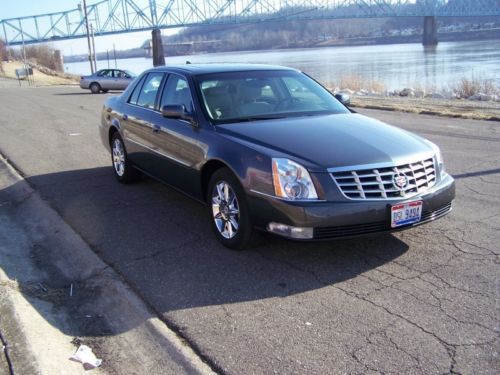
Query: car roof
{"points": [[197, 69]]}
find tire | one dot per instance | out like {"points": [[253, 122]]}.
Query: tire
{"points": [[233, 230], [95, 88], [124, 171]]}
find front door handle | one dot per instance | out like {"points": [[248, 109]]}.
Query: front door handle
{"points": [[156, 129]]}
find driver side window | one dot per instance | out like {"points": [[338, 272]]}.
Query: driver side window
{"points": [[176, 92]]}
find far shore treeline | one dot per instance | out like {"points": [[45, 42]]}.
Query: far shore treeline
{"points": [[309, 33]]}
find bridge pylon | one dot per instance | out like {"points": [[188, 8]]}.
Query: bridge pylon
{"points": [[430, 31], [157, 46]]}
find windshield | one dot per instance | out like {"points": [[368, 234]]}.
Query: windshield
{"points": [[253, 95], [131, 74]]}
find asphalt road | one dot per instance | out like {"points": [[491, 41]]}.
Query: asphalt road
{"points": [[420, 301]]}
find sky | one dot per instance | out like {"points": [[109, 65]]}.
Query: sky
{"points": [[22, 8]]}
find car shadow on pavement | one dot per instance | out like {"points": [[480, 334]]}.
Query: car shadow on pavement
{"points": [[86, 92], [161, 243], [486, 172]]}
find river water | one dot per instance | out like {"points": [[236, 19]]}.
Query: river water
{"points": [[395, 66]]}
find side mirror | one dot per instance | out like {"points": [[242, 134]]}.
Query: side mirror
{"points": [[177, 112], [343, 98]]}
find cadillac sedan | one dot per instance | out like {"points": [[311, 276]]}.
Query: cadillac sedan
{"points": [[267, 147], [107, 79]]}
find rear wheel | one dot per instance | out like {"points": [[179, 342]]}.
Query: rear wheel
{"points": [[124, 171], [229, 214], [95, 88]]}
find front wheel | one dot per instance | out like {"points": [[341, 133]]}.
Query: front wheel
{"points": [[124, 171], [229, 214]]}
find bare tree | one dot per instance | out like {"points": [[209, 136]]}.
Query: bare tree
{"points": [[44, 55], [3, 54]]}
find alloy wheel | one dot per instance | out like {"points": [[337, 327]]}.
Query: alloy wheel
{"points": [[225, 210], [118, 157]]}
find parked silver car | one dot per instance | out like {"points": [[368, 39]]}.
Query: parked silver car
{"points": [[107, 79]]}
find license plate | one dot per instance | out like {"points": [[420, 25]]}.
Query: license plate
{"points": [[406, 213]]}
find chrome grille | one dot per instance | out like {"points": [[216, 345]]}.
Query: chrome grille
{"points": [[379, 182]]}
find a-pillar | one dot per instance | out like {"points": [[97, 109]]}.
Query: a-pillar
{"points": [[157, 46], [430, 31]]}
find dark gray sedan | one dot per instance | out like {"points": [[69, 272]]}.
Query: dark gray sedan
{"points": [[267, 147], [107, 79]]}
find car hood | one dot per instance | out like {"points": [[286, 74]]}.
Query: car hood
{"points": [[330, 141]]}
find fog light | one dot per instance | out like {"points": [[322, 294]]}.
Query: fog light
{"points": [[289, 231]]}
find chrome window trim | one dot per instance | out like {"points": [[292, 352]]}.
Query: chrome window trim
{"points": [[141, 107], [159, 112]]}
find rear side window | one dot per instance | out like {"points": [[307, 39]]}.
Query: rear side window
{"points": [[137, 91], [146, 95], [119, 74]]}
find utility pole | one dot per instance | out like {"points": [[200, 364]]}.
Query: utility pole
{"points": [[93, 47], [88, 35], [25, 66]]}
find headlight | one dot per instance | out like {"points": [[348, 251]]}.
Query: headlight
{"points": [[292, 181], [440, 162], [439, 158]]}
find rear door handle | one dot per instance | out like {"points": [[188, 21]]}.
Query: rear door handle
{"points": [[156, 129]]}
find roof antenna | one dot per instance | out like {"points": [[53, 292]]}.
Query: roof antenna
{"points": [[188, 62]]}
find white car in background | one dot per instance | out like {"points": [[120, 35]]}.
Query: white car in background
{"points": [[107, 79]]}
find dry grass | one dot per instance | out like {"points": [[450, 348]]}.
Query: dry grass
{"points": [[466, 87], [358, 83], [41, 79]]}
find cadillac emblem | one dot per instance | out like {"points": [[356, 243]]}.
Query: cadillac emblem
{"points": [[400, 181]]}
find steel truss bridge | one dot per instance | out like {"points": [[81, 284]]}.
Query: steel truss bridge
{"points": [[122, 16]]}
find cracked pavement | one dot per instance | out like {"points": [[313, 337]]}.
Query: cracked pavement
{"points": [[419, 301]]}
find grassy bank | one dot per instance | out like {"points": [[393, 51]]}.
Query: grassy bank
{"points": [[46, 78], [466, 109], [470, 98]]}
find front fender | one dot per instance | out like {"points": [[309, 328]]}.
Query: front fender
{"points": [[252, 167]]}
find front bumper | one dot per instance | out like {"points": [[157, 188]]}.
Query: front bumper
{"points": [[348, 218]]}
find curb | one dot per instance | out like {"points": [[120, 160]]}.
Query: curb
{"points": [[130, 333]]}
